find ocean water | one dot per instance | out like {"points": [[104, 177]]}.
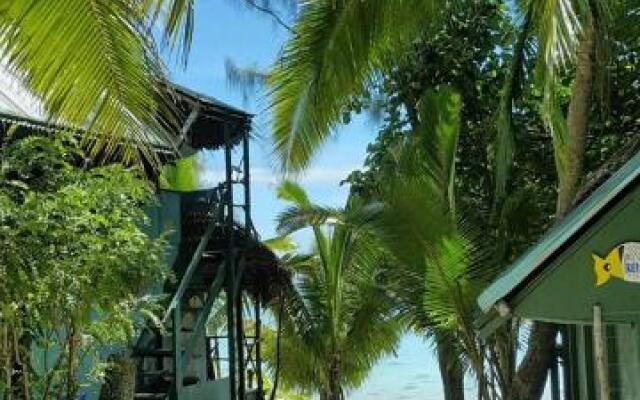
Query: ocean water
{"points": [[412, 374]]}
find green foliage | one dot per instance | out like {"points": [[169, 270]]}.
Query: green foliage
{"points": [[475, 70], [511, 207], [76, 261], [95, 66], [337, 49], [336, 322]]}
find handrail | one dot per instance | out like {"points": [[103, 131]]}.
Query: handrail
{"points": [[212, 293], [195, 260]]}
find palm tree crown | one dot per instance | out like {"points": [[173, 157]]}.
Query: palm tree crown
{"points": [[337, 322]]}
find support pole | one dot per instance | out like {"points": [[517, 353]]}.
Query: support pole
{"points": [[600, 351], [247, 182], [555, 378], [231, 267], [567, 333], [240, 345], [258, 348], [178, 373], [248, 234]]}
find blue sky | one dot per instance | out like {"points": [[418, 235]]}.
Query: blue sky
{"points": [[224, 30]]}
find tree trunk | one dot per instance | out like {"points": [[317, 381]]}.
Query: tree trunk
{"points": [[451, 371], [8, 363], [533, 371], [335, 391], [577, 121], [72, 362], [120, 379]]}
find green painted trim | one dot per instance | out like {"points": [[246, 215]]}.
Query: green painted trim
{"points": [[548, 246], [489, 323]]}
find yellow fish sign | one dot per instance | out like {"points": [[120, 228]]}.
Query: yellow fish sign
{"points": [[623, 262]]}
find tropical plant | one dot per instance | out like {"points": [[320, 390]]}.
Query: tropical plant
{"points": [[95, 66], [438, 269], [75, 264], [339, 47], [431, 275], [336, 322], [557, 35]]}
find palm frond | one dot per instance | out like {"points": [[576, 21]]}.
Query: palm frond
{"points": [[504, 124], [556, 122], [414, 218], [295, 218], [437, 135], [281, 244], [291, 192], [452, 286], [95, 67], [558, 25], [336, 49], [177, 18]]}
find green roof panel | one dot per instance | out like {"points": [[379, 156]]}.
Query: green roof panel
{"points": [[560, 234]]}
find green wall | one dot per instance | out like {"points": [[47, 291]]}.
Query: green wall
{"points": [[566, 292]]}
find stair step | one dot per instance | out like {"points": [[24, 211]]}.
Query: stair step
{"points": [[190, 380], [183, 329], [153, 353], [157, 372], [168, 376], [150, 396]]}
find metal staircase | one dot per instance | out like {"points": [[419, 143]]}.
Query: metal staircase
{"points": [[174, 358]]}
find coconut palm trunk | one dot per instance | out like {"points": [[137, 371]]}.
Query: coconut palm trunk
{"points": [[334, 379], [577, 120], [532, 374], [451, 372]]}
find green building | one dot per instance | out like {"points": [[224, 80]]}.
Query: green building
{"points": [[584, 274], [215, 252]]}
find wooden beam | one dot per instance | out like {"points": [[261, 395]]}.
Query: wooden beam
{"points": [[600, 352]]}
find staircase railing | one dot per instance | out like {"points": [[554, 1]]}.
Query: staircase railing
{"points": [[174, 311], [217, 213]]}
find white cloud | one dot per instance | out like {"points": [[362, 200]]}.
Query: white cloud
{"points": [[312, 176]]}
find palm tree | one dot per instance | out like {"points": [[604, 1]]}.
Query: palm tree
{"points": [[430, 273], [336, 321], [340, 47], [94, 63], [438, 268]]}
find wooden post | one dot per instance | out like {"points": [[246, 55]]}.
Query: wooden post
{"points": [[600, 352], [258, 347], [178, 373], [555, 377], [230, 268]]}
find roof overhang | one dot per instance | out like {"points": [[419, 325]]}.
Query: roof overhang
{"points": [[198, 121], [497, 301]]}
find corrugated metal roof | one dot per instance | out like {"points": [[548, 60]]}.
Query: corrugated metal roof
{"points": [[16, 99], [19, 106], [560, 234]]}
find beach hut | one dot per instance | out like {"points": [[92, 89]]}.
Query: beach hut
{"points": [[584, 275]]}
